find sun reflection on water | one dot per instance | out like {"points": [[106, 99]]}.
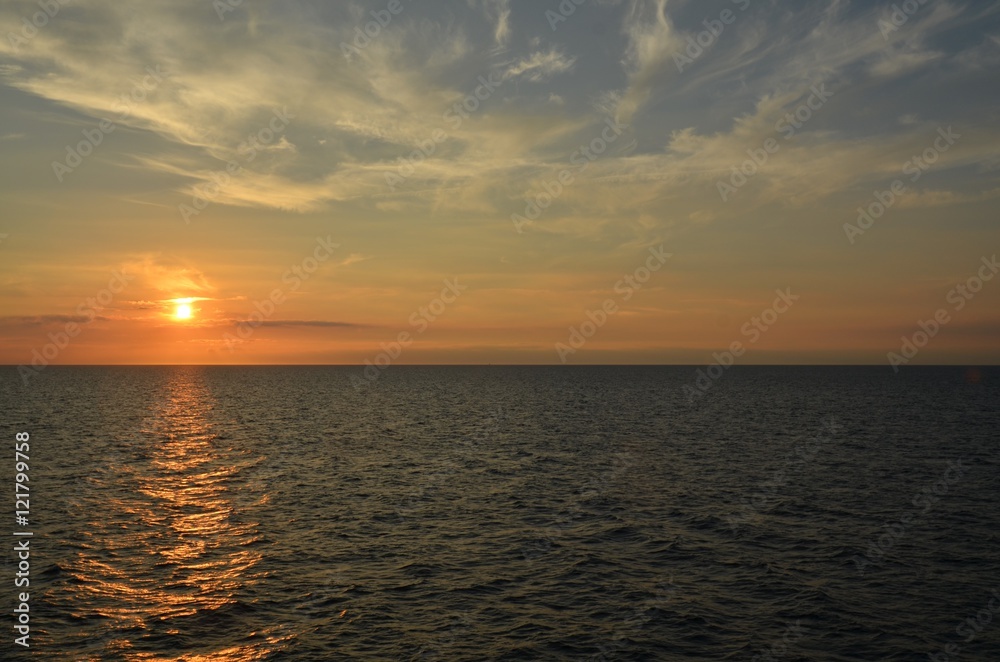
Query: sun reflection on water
{"points": [[169, 550]]}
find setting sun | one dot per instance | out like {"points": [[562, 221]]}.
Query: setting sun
{"points": [[183, 311]]}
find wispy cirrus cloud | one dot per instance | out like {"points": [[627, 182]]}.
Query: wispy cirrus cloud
{"points": [[539, 66], [355, 117]]}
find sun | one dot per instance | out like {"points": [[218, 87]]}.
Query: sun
{"points": [[182, 311]]}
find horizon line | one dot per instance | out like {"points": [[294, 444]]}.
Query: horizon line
{"points": [[503, 365]]}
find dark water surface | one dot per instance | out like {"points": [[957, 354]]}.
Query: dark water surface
{"points": [[513, 513]]}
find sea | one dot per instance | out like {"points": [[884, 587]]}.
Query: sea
{"points": [[228, 514]]}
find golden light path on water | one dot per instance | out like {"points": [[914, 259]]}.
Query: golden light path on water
{"points": [[166, 556]]}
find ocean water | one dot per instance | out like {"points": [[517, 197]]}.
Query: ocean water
{"points": [[508, 513]]}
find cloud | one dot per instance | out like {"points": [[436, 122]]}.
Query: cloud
{"points": [[324, 324], [48, 320], [501, 35], [353, 258], [168, 304], [899, 62], [143, 305], [651, 41], [540, 66], [936, 198], [316, 323], [171, 278], [355, 118]]}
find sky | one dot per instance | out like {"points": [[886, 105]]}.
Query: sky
{"points": [[499, 181]]}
